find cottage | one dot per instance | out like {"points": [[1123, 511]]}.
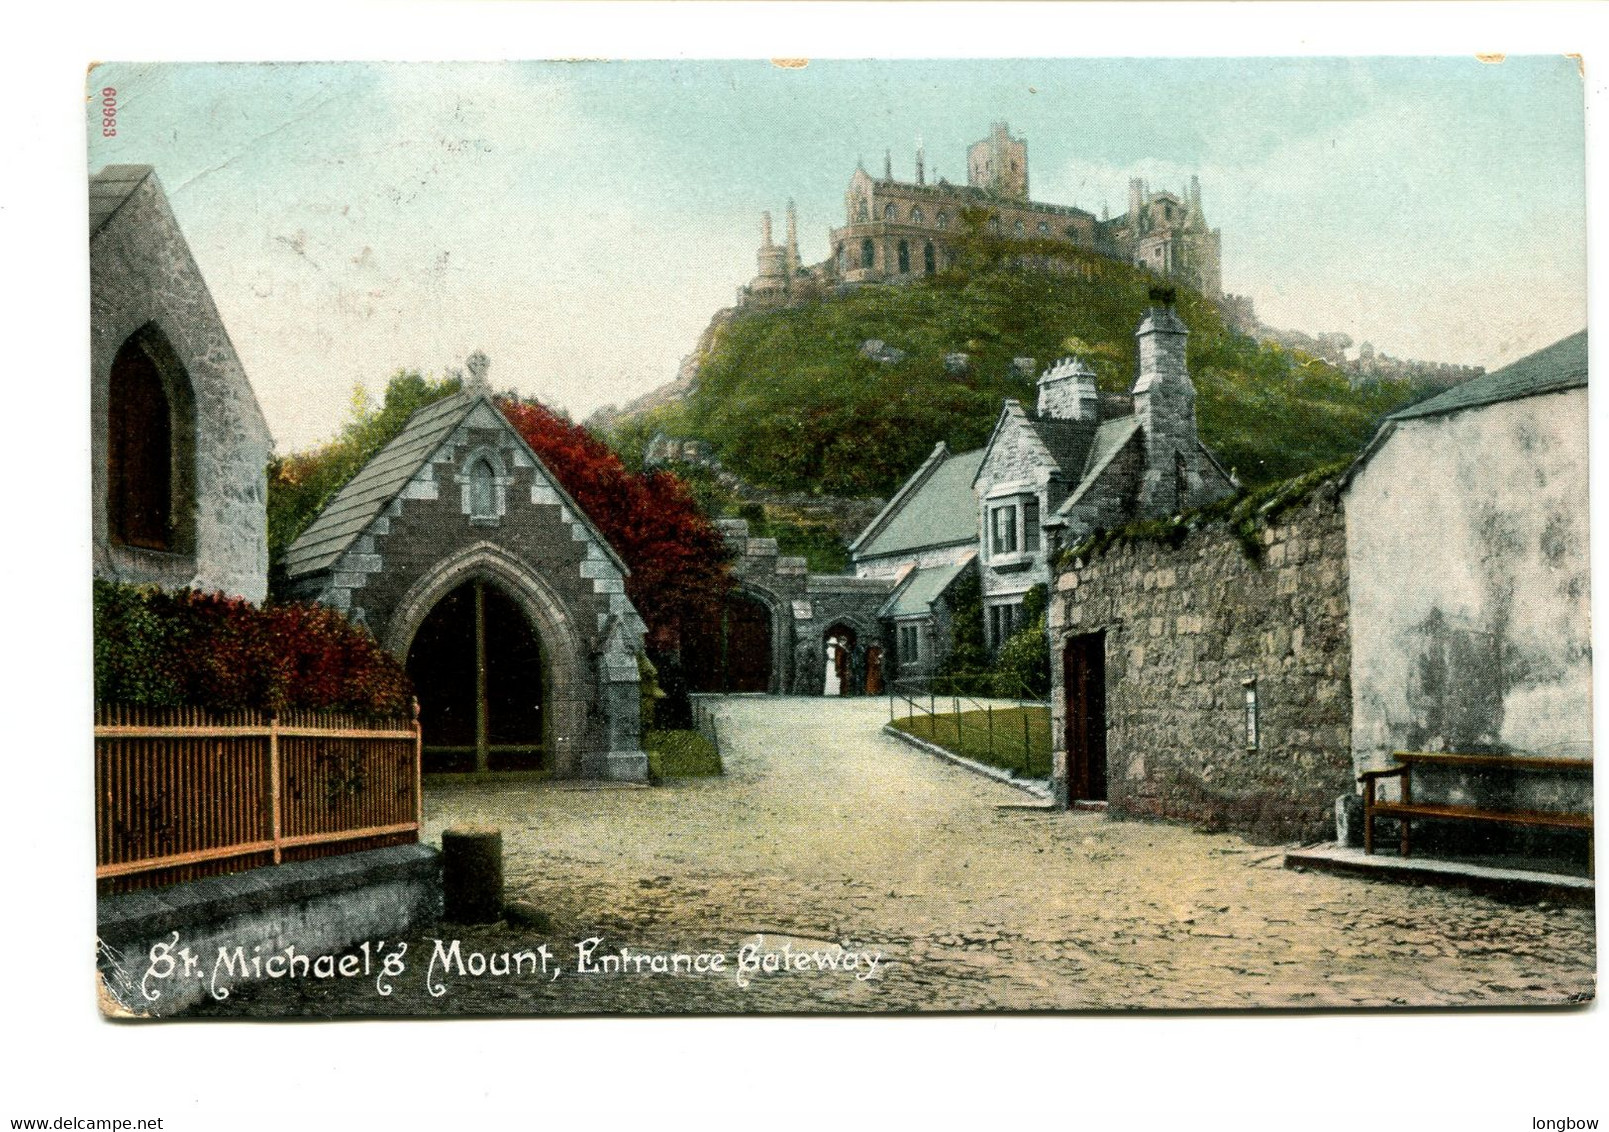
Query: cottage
{"points": [[179, 445], [1467, 542], [466, 558], [923, 542]]}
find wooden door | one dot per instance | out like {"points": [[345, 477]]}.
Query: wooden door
{"points": [[874, 671], [1084, 683]]}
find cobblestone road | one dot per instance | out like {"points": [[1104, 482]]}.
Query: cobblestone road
{"points": [[826, 832]]}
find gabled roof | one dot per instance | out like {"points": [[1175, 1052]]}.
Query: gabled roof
{"points": [[1110, 439], [1551, 369], [935, 507], [367, 494], [109, 188], [1065, 443], [922, 587], [1562, 365]]}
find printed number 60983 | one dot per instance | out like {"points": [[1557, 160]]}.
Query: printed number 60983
{"points": [[109, 112]]}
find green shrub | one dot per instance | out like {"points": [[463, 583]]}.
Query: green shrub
{"points": [[163, 649]]}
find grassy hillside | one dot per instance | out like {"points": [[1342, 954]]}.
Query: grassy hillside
{"points": [[788, 402]]}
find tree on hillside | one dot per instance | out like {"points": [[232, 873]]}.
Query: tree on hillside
{"points": [[677, 557]]}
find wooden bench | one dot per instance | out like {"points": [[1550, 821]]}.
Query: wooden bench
{"points": [[1407, 809]]}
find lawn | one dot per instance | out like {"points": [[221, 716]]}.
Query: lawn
{"points": [[680, 754], [996, 737]]}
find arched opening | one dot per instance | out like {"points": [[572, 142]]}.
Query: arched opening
{"points": [[868, 255], [477, 669], [844, 667], [150, 442], [904, 258], [929, 260], [731, 652]]}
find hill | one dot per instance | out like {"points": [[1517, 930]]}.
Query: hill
{"points": [[791, 401]]}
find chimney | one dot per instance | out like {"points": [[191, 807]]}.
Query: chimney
{"points": [[1067, 392], [1165, 403], [479, 366]]}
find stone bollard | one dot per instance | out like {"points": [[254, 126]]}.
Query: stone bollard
{"points": [[472, 874], [1349, 821]]}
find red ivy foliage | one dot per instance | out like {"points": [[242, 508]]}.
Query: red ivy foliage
{"points": [[677, 557], [204, 649]]}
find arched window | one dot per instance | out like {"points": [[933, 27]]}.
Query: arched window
{"points": [[482, 490], [868, 255], [994, 226], [843, 259], [150, 445], [904, 258], [917, 216], [929, 262], [942, 220], [1018, 230], [890, 213], [1044, 229], [861, 212]]}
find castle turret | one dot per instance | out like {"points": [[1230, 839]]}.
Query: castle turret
{"points": [[888, 165], [791, 251], [921, 173], [1137, 194], [1067, 392]]}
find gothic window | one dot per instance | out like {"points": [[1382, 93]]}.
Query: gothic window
{"points": [[1018, 230], [482, 490], [917, 216], [861, 212], [890, 214], [929, 261], [1044, 229], [942, 220], [843, 259], [868, 255], [149, 441], [904, 258]]}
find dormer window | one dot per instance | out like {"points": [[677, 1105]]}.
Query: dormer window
{"points": [[1003, 529]]}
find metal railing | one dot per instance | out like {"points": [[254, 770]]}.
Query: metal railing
{"points": [[979, 715]]}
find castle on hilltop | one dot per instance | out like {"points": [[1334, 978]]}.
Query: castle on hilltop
{"points": [[895, 231]]}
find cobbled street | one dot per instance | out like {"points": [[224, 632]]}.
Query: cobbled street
{"points": [[824, 831]]}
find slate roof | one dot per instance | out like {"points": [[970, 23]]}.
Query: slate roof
{"points": [[1068, 442], [1109, 440], [382, 479], [922, 587], [941, 512], [1562, 365], [109, 188]]}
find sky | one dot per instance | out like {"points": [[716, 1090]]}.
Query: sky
{"points": [[581, 222]]}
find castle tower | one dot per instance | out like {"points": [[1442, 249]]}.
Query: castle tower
{"points": [[771, 257], [1137, 218], [1067, 392], [999, 164]]}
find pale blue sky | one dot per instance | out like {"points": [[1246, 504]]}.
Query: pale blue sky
{"points": [[581, 222]]}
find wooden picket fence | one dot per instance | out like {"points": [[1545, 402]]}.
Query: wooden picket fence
{"points": [[182, 793]]}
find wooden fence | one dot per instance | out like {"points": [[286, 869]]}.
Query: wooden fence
{"points": [[182, 793]]}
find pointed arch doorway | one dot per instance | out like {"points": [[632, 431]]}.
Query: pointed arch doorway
{"points": [[477, 668]]}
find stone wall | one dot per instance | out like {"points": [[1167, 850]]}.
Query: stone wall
{"points": [[1185, 627], [143, 280]]}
